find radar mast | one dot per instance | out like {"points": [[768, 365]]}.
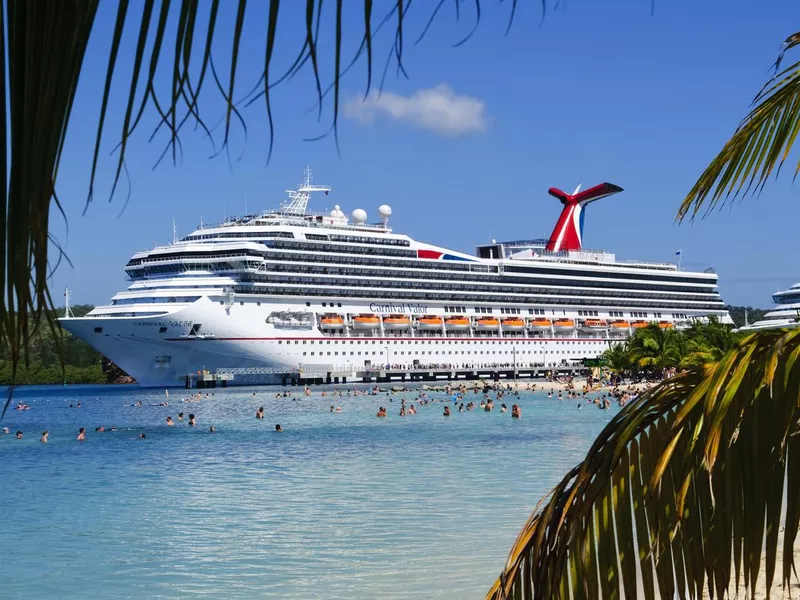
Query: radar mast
{"points": [[298, 199]]}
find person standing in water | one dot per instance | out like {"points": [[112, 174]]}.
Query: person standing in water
{"points": [[81, 434], [43, 439], [260, 413], [192, 422], [170, 422]]}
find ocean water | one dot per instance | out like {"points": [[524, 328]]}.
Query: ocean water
{"points": [[338, 505]]}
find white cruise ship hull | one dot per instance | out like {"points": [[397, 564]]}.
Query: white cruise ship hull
{"points": [[238, 336]]}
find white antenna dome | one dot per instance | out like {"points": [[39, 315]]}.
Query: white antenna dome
{"points": [[385, 211], [337, 212], [359, 215]]}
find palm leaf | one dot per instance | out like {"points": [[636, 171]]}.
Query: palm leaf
{"points": [[759, 146], [695, 473]]}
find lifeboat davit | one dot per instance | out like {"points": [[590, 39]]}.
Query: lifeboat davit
{"points": [[396, 322], [487, 324], [665, 324], [620, 326], [563, 325], [639, 324], [331, 322], [513, 324], [429, 322], [594, 325], [541, 324], [457, 323], [366, 321]]}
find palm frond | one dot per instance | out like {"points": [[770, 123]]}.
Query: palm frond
{"points": [[684, 490], [759, 146]]}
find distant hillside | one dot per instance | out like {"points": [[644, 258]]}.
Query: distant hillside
{"points": [[753, 314], [82, 364]]}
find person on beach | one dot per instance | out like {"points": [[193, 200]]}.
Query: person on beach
{"points": [[260, 412], [45, 434], [81, 434]]}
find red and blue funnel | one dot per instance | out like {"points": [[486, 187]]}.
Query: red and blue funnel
{"points": [[568, 233]]}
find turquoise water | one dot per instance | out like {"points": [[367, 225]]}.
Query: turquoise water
{"points": [[338, 505]]}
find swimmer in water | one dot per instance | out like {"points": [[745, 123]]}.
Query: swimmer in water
{"points": [[43, 439], [260, 413], [180, 416], [192, 422], [81, 434], [101, 428], [6, 431], [170, 422], [213, 429], [381, 412], [446, 412], [278, 427], [142, 436], [19, 435]]}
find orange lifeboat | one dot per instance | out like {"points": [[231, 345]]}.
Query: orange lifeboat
{"points": [[541, 324], [331, 322], [639, 324], [396, 322], [456, 323], [564, 325], [665, 324], [595, 325], [366, 321], [429, 322], [620, 326], [513, 324], [487, 324]]}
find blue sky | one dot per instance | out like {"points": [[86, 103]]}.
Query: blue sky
{"points": [[600, 91]]}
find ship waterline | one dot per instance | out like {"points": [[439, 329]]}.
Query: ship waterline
{"points": [[287, 289]]}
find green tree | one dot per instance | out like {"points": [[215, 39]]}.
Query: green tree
{"points": [[617, 358], [654, 348]]}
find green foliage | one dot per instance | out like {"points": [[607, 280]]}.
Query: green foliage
{"points": [[48, 347], [652, 349], [685, 490], [753, 314]]}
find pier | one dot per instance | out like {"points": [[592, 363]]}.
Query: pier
{"points": [[330, 374]]}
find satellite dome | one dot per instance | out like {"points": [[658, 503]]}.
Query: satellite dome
{"points": [[385, 211], [337, 212], [359, 215]]}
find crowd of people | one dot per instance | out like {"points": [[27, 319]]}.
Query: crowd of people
{"points": [[602, 393]]}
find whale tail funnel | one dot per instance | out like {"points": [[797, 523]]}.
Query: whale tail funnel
{"points": [[568, 232]]}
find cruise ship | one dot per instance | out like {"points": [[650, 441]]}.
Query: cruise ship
{"points": [[290, 289], [785, 315]]}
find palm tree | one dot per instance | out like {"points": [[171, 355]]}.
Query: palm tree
{"points": [[687, 487], [654, 349], [617, 358]]}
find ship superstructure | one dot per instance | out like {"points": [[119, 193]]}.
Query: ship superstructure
{"points": [[785, 315], [291, 289]]}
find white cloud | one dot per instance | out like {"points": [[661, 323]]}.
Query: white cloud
{"points": [[439, 109]]}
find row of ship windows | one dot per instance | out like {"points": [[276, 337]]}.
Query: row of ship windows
{"points": [[433, 264], [446, 352], [384, 342], [381, 283], [405, 295], [523, 282], [468, 277], [235, 267], [587, 313]]}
